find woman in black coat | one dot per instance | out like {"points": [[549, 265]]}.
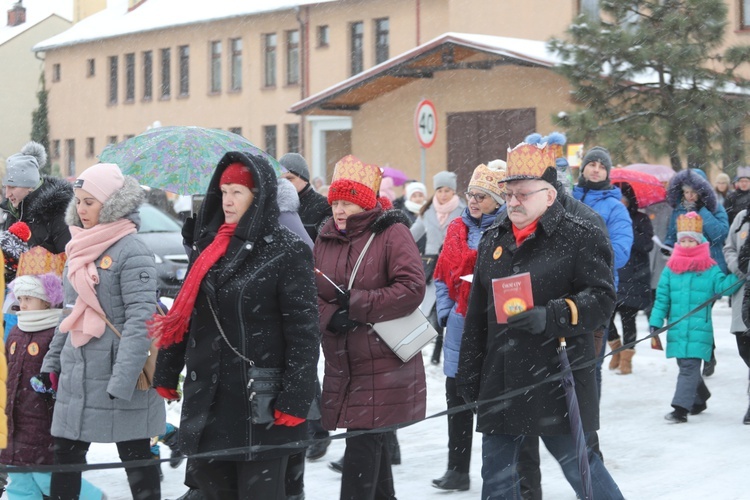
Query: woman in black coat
{"points": [[634, 289], [251, 350]]}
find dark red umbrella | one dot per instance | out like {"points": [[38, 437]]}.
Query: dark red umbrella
{"points": [[576, 425], [647, 188]]}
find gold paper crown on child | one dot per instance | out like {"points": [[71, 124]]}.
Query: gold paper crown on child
{"points": [[691, 222], [529, 161], [353, 169], [39, 260]]}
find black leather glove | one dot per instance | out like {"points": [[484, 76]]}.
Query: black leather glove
{"points": [[340, 322], [342, 298], [665, 252], [533, 321], [187, 230]]}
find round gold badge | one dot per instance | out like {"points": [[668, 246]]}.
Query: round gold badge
{"points": [[743, 235], [498, 252], [106, 262], [13, 348], [33, 349]]}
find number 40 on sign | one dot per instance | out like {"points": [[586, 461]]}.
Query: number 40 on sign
{"points": [[425, 123]]}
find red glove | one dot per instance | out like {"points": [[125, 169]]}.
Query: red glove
{"points": [[281, 418], [54, 378], [168, 394]]}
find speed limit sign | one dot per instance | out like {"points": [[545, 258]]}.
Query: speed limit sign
{"points": [[425, 123]]}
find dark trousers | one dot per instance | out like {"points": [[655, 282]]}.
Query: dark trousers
{"points": [[743, 346], [460, 430], [229, 480], [629, 331], [295, 474], [367, 471], [529, 474], [143, 481]]}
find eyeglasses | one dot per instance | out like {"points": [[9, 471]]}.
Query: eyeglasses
{"points": [[480, 197], [520, 197]]}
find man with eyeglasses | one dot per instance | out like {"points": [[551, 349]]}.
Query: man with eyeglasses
{"points": [[573, 295]]}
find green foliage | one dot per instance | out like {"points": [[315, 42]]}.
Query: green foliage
{"points": [[40, 124], [651, 79]]}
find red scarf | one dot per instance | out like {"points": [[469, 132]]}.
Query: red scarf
{"points": [[695, 259], [456, 260], [170, 329], [522, 234]]}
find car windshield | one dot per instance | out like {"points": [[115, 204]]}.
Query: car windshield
{"points": [[154, 220]]}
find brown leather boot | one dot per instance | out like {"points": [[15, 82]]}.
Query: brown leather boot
{"points": [[626, 362], [614, 363]]}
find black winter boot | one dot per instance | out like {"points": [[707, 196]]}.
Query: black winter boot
{"points": [[708, 368], [678, 416], [337, 466], [704, 394], [172, 439], [453, 481]]}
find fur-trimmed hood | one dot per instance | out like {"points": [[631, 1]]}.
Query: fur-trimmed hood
{"points": [[47, 201], [123, 203], [388, 218], [287, 196], [376, 220], [695, 181]]}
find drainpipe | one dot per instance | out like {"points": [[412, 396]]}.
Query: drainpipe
{"points": [[304, 31]]}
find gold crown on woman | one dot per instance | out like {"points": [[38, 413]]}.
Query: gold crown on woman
{"points": [[691, 222]]}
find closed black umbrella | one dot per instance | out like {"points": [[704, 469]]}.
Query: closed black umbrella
{"points": [[576, 426]]}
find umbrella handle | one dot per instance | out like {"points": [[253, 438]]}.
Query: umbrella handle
{"points": [[563, 343]]}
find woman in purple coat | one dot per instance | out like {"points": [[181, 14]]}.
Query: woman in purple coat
{"points": [[366, 386]]}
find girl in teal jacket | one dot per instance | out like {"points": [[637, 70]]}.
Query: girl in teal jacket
{"points": [[690, 278]]}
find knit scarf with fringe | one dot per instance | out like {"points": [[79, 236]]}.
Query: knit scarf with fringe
{"points": [[170, 329], [696, 259]]}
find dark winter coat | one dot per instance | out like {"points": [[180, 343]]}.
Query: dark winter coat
{"points": [[715, 221], [263, 292], [495, 359], [29, 413], [634, 289], [422, 242], [44, 211], [313, 210], [366, 386], [735, 202]]}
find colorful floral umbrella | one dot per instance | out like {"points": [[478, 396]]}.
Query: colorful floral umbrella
{"points": [[178, 159], [661, 172], [647, 188]]}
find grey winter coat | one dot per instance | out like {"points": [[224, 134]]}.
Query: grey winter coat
{"points": [[737, 235], [107, 365], [427, 224]]}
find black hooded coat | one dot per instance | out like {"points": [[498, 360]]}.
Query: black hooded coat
{"points": [[263, 292]]}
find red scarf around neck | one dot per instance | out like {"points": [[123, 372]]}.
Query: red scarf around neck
{"points": [[522, 234], [170, 329], [456, 260]]}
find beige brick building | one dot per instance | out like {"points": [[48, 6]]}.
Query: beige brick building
{"points": [[243, 66]]}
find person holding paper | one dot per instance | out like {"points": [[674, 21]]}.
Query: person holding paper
{"points": [[573, 296], [457, 259], [366, 386]]}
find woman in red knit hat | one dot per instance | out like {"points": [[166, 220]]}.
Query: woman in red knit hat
{"points": [[366, 386], [245, 327]]}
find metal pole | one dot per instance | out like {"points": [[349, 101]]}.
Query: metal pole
{"points": [[423, 169]]}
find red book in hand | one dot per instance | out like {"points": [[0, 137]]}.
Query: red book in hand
{"points": [[512, 295]]}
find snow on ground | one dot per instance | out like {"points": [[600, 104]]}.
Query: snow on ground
{"points": [[648, 457]]}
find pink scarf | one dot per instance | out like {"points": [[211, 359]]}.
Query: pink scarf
{"points": [[443, 211], [695, 259], [87, 318]]}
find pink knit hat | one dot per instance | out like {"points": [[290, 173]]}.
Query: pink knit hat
{"points": [[101, 180]]}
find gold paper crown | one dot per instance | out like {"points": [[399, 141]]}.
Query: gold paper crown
{"points": [[488, 178], [529, 161], [351, 168], [691, 222], [39, 260]]}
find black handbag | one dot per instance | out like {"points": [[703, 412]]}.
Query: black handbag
{"points": [[264, 384]]}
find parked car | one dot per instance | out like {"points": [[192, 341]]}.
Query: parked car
{"points": [[162, 234]]}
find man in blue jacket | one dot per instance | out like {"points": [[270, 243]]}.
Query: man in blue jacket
{"points": [[595, 190]]}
